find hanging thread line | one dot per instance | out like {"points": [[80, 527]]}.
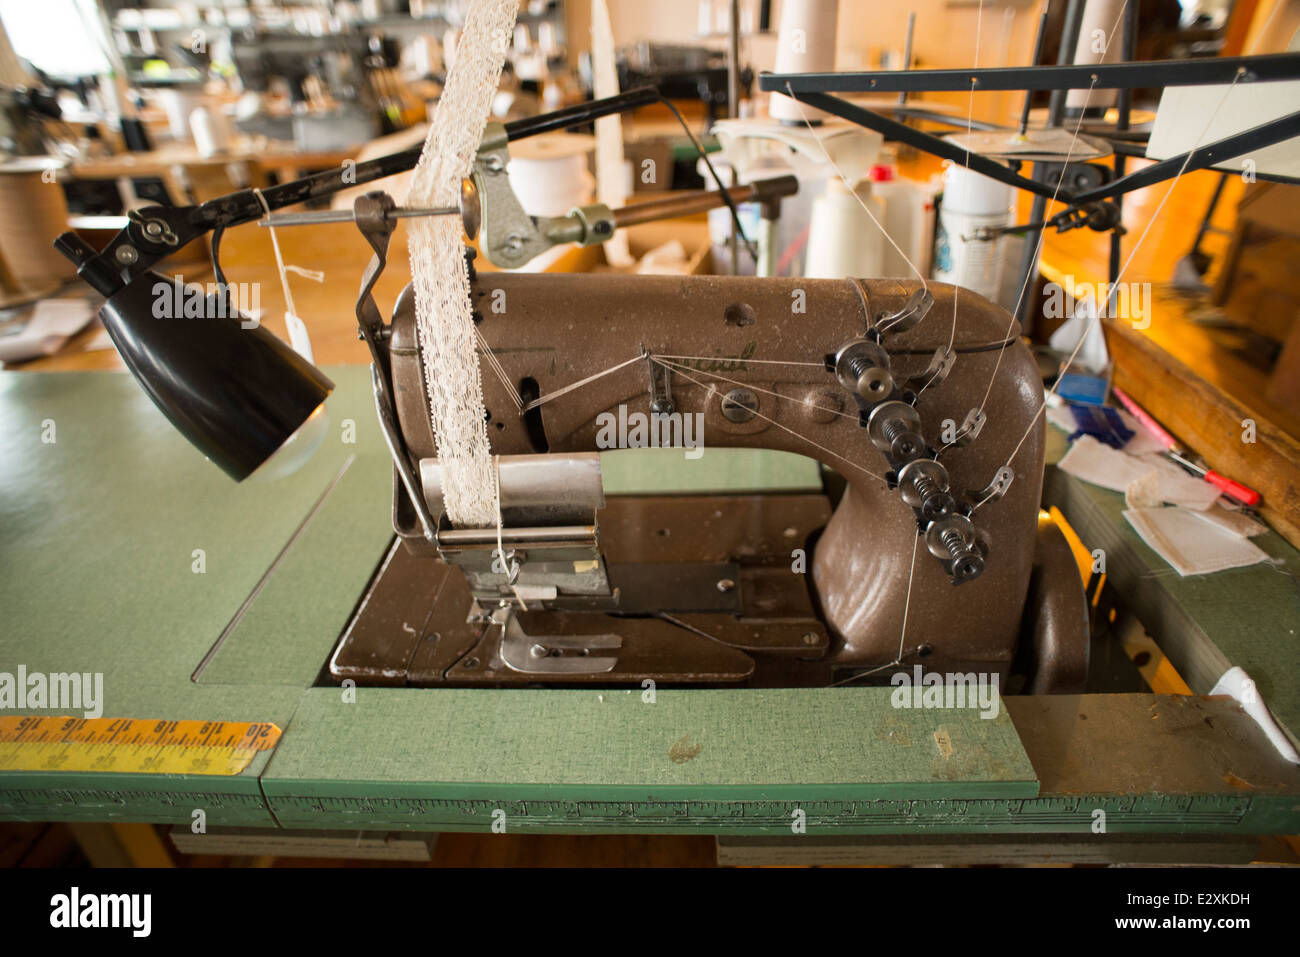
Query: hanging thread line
{"points": [[1159, 209], [902, 638], [853, 192], [1042, 233], [495, 365]]}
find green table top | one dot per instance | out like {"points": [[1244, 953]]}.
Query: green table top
{"points": [[100, 543], [1205, 624]]}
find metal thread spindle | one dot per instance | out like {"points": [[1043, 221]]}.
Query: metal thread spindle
{"points": [[953, 541], [926, 486]]}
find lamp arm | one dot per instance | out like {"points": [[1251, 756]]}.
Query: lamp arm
{"points": [[155, 232]]}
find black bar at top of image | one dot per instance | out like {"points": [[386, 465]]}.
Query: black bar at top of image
{"points": [[1109, 76]]}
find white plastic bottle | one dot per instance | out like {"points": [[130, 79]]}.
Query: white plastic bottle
{"points": [[842, 239], [971, 201], [909, 215]]}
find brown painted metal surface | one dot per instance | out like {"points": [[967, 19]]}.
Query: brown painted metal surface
{"points": [[553, 330]]}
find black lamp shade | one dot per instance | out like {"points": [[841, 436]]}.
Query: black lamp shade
{"points": [[237, 394]]}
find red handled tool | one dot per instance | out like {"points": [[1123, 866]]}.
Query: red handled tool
{"points": [[1243, 494]]}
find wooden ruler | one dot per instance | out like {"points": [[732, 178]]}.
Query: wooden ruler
{"points": [[131, 745]]}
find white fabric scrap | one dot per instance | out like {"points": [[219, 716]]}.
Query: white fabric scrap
{"points": [[1144, 440], [1192, 546], [1092, 354], [1145, 492], [1236, 683], [1180, 487], [53, 322], [1238, 523], [1097, 463], [1061, 417]]}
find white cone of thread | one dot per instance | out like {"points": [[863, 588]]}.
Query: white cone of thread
{"points": [[549, 173], [805, 44], [842, 239]]}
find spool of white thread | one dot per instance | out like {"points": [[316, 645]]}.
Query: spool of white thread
{"points": [[805, 44], [549, 173]]}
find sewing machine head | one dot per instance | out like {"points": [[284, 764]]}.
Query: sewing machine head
{"points": [[923, 547], [921, 550]]}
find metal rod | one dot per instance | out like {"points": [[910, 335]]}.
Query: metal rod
{"points": [[539, 535], [1109, 76], [1065, 56], [733, 109], [1119, 163], [582, 113], [1039, 174], [347, 216], [1038, 55], [933, 145], [1266, 134], [762, 191], [247, 207], [907, 52]]}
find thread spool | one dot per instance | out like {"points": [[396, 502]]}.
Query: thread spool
{"points": [[33, 213], [549, 173], [1096, 45], [806, 44]]}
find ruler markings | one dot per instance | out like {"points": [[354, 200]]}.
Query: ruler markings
{"points": [[131, 745]]}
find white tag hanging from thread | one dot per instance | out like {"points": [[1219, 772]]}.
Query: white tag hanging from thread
{"points": [[299, 337]]}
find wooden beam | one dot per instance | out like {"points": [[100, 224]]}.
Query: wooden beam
{"points": [[1211, 423]]}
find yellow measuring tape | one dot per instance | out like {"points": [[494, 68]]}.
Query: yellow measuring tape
{"points": [[131, 745]]}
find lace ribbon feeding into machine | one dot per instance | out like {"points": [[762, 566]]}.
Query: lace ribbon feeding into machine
{"points": [[438, 269]]}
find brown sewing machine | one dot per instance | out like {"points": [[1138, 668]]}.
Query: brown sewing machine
{"points": [[776, 589], [924, 548]]}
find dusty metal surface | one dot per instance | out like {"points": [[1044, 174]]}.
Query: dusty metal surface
{"points": [[550, 331], [676, 625]]}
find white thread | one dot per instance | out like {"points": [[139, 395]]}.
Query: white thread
{"points": [[499, 369], [902, 638], [771, 362], [803, 113], [1047, 211], [439, 270], [279, 260], [299, 337], [579, 384], [315, 275], [805, 438], [970, 118], [663, 360], [1079, 345], [496, 493]]}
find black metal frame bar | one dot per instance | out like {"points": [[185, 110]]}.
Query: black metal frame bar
{"points": [[1101, 76], [1258, 137], [927, 142], [1266, 134]]}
